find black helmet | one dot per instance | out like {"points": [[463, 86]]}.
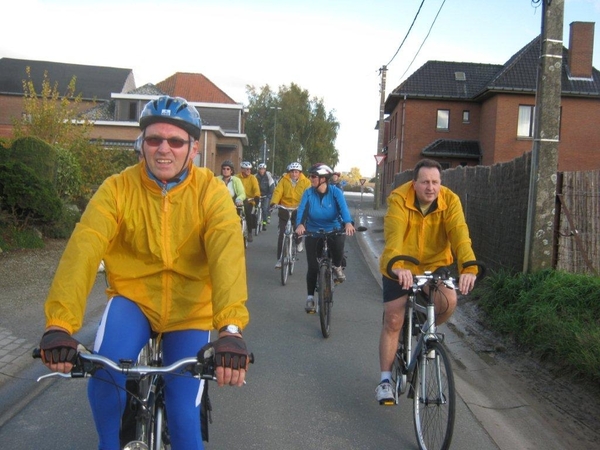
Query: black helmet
{"points": [[227, 163], [173, 110]]}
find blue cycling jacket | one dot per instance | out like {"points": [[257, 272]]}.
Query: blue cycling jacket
{"points": [[327, 211]]}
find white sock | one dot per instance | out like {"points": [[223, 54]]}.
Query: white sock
{"points": [[386, 376]]}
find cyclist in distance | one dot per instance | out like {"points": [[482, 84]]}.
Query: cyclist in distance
{"points": [[335, 180], [234, 184], [252, 195], [175, 265], [267, 186], [288, 193], [424, 220], [322, 208]]}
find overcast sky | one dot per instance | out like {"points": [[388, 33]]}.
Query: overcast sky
{"points": [[332, 48]]}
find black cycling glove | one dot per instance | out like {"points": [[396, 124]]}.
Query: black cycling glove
{"points": [[58, 346], [228, 351]]}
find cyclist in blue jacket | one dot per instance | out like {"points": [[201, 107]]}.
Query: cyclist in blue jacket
{"points": [[323, 208]]}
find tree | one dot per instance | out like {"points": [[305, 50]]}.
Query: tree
{"points": [[305, 131], [50, 115]]}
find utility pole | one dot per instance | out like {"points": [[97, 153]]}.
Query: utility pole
{"points": [[377, 196], [276, 108], [544, 154]]}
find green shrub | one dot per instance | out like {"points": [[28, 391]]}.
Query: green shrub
{"points": [[554, 314], [30, 199], [36, 154], [69, 180]]}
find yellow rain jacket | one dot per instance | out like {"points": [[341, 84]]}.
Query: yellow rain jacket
{"points": [[250, 186], [432, 239], [287, 194], [177, 254]]}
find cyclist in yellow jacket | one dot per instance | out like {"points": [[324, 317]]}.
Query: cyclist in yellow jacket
{"points": [[252, 191], [175, 265], [424, 220], [288, 193]]}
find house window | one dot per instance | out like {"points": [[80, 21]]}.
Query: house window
{"points": [[445, 165], [443, 119], [133, 111], [466, 116], [525, 124]]}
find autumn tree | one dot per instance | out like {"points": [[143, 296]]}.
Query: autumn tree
{"points": [[302, 128]]}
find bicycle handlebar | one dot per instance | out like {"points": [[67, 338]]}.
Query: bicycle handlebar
{"points": [[439, 275], [87, 363]]}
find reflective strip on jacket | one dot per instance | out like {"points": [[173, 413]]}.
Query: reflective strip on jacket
{"points": [[432, 238], [288, 194], [179, 255]]}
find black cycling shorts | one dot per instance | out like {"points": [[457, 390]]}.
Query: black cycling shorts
{"points": [[392, 289]]}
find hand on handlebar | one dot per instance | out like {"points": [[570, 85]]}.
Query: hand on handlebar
{"points": [[59, 350], [405, 277], [466, 282], [349, 229], [231, 359], [300, 230]]}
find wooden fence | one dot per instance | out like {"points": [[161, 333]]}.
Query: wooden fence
{"points": [[578, 229]]}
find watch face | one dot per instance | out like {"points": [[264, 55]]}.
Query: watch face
{"points": [[233, 328]]}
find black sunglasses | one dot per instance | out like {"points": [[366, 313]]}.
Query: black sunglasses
{"points": [[155, 141]]}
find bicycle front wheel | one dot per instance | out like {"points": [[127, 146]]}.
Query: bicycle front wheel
{"points": [[259, 221], [285, 259], [325, 298], [293, 255], [434, 399]]}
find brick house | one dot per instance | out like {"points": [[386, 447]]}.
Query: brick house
{"points": [[111, 100], [469, 114]]}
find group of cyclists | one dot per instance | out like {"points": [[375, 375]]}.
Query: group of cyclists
{"points": [[176, 265], [317, 203]]}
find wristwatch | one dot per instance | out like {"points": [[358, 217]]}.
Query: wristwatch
{"points": [[233, 329]]}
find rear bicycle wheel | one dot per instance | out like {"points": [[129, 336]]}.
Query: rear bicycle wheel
{"points": [[434, 402], [325, 298], [285, 258]]}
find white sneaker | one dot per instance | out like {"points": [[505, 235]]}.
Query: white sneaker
{"points": [[278, 264], [300, 246], [338, 272], [310, 305], [384, 393]]}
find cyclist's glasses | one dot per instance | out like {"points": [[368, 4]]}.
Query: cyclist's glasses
{"points": [[314, 176], [155, 141], [225, 168]]}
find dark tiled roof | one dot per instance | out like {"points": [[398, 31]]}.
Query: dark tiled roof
{"points": [[450, 148], [194, 87], [437, 79], [92, 82]]}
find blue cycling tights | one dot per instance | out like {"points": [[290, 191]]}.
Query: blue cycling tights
{"points": [[123, 331]]}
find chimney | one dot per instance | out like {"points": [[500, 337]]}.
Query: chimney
{"points": [[581, 49]]}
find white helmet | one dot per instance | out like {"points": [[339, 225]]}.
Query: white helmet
{"points": [[295, 166], [246, 165], [320, 169], [262, 166]]}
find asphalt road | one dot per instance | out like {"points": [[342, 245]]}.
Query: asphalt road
{"points": [[303, 392]]}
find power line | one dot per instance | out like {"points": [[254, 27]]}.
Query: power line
{"points": [[423, 43], [407, 33]]}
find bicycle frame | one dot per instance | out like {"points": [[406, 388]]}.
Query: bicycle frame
{"points": [[148, 396], [288, 247], [244, 224]]}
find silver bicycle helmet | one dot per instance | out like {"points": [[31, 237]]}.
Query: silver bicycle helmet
{"points": [[294, 166], [246, 165], [323, 170]]}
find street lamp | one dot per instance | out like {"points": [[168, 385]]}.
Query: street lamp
{"points": [[276, 108]]}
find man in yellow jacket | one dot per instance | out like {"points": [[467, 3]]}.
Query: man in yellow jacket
{"points": [[175, 263], [424, 220], [288, 193], [252, 191]]}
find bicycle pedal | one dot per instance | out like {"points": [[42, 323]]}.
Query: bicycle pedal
{"points": [[310, 311], [387, 402]]}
